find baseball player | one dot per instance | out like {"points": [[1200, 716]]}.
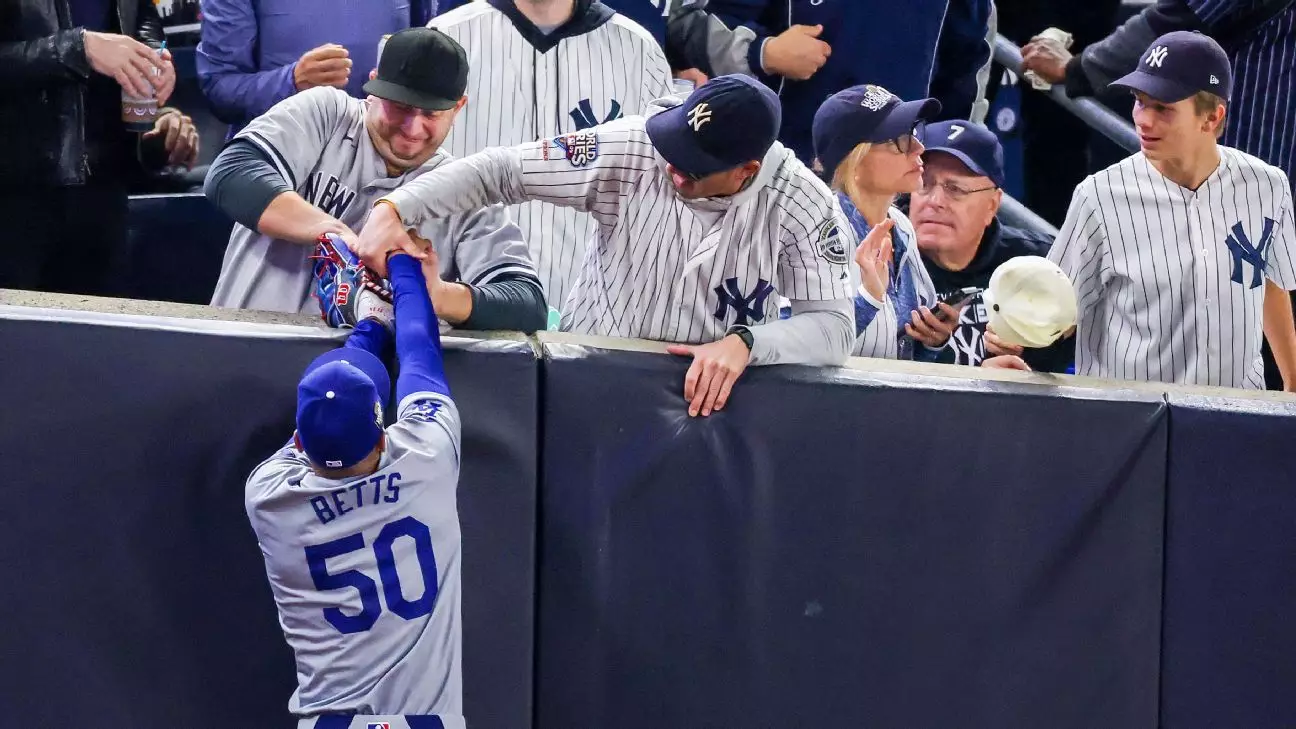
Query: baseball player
{"points": [[1169, 250], [359, 525], [544, 69], [315, 163], [704, 221]]}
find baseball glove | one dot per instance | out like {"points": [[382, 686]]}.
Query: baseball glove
{"points": [[347, 291]]}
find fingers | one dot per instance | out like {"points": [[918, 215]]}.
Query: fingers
{"points": [[326, 52], [683, 350], [409, 245], [997, 346], [705, 382], [691, 379], [174, 126], [726, 387], [1006, 362], [130, 81]]}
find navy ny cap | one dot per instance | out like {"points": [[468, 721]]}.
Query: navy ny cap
{"points": [[1180, 64], [340, 403], [973, 145], [726, 122], [862, 114]]}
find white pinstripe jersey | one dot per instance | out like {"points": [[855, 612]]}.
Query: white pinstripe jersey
{"points": [[518, 93], [318, 142], [661, 267], [365, 571], [1170, 282]]}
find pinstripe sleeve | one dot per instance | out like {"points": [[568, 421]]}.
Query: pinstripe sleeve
{"points": [[1081, 246], [813, 258], [1282, 253]]}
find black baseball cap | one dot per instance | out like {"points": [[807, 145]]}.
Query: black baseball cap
{"points": [[423, 68], [728, 121], [1180, 64]]}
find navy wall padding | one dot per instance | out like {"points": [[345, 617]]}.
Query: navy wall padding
{"points": [[836, 549]]}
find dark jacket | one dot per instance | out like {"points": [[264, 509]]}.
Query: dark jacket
{"points": [[999, 244], [913, 48], [44, 82]]}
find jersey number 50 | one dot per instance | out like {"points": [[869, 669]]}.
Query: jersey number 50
{"points": [[317, 557]]}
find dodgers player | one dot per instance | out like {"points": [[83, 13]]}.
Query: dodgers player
{"points": [[543, 69], [359, 528], [704, 221], [315, 163], [1169, 250]]}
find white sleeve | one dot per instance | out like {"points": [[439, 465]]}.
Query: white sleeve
{"points": [[586, 170], [1281, 261], [1081, 247], [814, 255], [294, 133]]}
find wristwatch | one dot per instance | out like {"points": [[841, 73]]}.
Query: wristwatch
{"points": [[744, 334]]}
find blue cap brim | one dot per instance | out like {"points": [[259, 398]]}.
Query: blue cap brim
{"points": [[967, 162], [676, 143], [369, 364], [1161, 89], [902, 118]]}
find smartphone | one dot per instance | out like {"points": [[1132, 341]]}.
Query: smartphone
{"points": [[957, 300]]}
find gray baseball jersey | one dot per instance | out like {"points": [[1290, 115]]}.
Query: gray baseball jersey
{"points": [[661, 267], [1170, 282], [524, 86], [318, 141], [365, 571]]}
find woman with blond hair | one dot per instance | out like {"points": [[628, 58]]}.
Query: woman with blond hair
{"points": [[866, 143]]}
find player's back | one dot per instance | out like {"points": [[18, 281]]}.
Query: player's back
{"points": [[366, 571]]}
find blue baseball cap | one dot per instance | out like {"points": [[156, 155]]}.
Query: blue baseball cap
{"points": [[862, 114], [973, 145], [728, 121], [1180, 64], [340, 403]]}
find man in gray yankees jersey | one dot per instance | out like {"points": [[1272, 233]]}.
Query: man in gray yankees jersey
{"points": [[544, 68], [359, 527], [704, 222], [1169, 250], [315, 163]]}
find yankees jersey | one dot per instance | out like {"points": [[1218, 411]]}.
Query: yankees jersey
{"points": [[661, 267], [365, 571], [318, 142], [525, 85], [1170, 282]]}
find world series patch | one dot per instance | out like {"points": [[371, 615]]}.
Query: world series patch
{"points": [[580, 148], [830, 246]]}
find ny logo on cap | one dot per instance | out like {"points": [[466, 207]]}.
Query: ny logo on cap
{"points": [[699, 116], [1157, 56]]}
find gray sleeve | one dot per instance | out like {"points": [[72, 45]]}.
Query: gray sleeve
{"points": [[487, 246], [511, 302], [1119, 53], [698, 39], [817, 333], [242, 182]]}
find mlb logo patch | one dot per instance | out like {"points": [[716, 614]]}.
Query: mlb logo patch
{"points": [[378, 725]]}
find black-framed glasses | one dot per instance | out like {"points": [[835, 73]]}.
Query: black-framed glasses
{"points": [[952, 191], [907, 143]]}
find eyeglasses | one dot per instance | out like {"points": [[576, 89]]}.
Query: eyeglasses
{"points": [[952, 191], [907, 143]]}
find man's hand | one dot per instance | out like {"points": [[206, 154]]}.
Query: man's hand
{"points": [[796, 53], [384, 233], [165, 83], [692, 74], [874, 258], [134, 66], [1047, 58], [930, 330], [181, 138], [1006, 362], [716, 367], [997, 347], [328, 65]]}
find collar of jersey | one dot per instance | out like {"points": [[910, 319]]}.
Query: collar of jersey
{"points": [[587, 15]]}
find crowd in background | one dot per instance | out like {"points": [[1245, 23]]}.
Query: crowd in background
{"points": [[68, 69]]}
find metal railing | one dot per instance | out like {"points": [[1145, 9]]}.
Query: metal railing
{"points": [[1097, 116]]}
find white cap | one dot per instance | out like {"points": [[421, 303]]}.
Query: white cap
{"points": [[1030, 302]]}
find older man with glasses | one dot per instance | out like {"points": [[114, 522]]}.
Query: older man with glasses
{"points": [[962, 242]]}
